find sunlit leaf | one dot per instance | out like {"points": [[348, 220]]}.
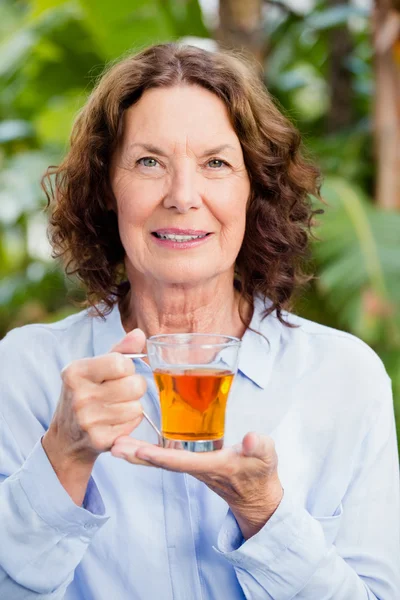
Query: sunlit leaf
{"points": [[40, 6]]}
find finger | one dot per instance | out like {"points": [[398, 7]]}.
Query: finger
{"points": [[175, 460], [132, 442], [94, 416], [124, 412], [125, 447], [103, 436], [98, 369], [132, 387], [125, 429], [132, 343]]}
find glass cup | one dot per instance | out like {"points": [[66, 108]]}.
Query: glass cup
{"points": [[193, 373]]}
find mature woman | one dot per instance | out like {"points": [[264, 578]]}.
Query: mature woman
{"points": [[183, 205]]}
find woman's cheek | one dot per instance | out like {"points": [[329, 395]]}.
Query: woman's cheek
{"points": [[138, 203]]}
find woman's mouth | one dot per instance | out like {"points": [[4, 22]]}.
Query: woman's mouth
{"points": [[180, 238]]}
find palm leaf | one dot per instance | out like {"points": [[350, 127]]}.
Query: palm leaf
{"points": [[358, 260]]}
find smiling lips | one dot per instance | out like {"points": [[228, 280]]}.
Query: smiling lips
{"points": [[180, 238]]}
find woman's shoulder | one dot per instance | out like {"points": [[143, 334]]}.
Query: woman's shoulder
{"points": [[48, 341], [310, 339], [306, 345], [343, 375], [31, 360], [328, 342], [338, 364]]}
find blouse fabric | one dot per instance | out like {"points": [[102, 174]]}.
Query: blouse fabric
{"points": [[144, 533]]}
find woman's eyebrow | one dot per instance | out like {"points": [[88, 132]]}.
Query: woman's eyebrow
{"points": [[218, 149], [156, 150], [148, 148]]}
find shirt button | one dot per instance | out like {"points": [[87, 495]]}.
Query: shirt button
{"points": [[89, 525]]}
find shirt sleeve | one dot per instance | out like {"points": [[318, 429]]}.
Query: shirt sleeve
{"points": [[44, 534], [351, 555]]}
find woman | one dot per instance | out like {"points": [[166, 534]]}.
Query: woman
{"points": [[183, 207]]}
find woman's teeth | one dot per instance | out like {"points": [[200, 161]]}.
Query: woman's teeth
{"points": [[179, 238]]}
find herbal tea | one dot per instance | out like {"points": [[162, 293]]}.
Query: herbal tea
{"points": [[193, 403]]}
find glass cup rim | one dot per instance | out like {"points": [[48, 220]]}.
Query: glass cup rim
{"points": [[231, 340]]}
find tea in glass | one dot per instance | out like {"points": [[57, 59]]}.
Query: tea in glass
{"points": [[193, 402], [193, 373]]}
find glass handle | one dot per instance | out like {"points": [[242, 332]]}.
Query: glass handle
{"points": [[160, 437]]}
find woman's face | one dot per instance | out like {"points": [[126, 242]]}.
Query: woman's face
{"points": [[181, 187]]}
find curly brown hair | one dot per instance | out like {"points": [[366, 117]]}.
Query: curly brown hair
{"points": [[85, 233]]}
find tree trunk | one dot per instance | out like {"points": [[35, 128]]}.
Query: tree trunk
{"points": [[241, 26], [386, 21], [340, 115]]}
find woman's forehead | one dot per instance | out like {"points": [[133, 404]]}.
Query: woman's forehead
{"points": [[177, 116]]}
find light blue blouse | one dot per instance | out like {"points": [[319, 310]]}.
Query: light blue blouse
{"points": [[147, 534]]}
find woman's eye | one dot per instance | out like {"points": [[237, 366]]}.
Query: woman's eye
{"points": [[147, 162], [216, 163]]}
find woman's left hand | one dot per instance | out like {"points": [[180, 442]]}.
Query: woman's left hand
{"points": [[245, 475]]}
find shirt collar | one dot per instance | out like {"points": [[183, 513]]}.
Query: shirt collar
{"points": [[257, 352]]}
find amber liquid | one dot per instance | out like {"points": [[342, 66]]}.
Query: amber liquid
{"points": [[193, 403]]}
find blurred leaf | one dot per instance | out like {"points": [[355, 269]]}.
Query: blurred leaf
{"points": [[185, 17], [54, 123], [12, 250], [20, 190], [391, 359], [346, 154], [334, 16], [15, 50], [120, 26], [14, 130], [40, 6], [359, 261]]}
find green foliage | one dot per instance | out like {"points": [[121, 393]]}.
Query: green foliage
{"points": [[51, 52], [297, 70], [358, 254]]}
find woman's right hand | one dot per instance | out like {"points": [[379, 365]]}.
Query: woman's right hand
{"points": [[99, 402]]}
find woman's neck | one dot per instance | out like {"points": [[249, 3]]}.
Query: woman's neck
{"points": [[209, 308]]}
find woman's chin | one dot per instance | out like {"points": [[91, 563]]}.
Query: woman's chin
{"points": [[185, 277]]}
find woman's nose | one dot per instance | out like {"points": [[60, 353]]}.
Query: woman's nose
{"points": [[183, 194]]}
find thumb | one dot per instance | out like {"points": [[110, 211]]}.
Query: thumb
{"points": [[133, 342], [259, 446]]}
